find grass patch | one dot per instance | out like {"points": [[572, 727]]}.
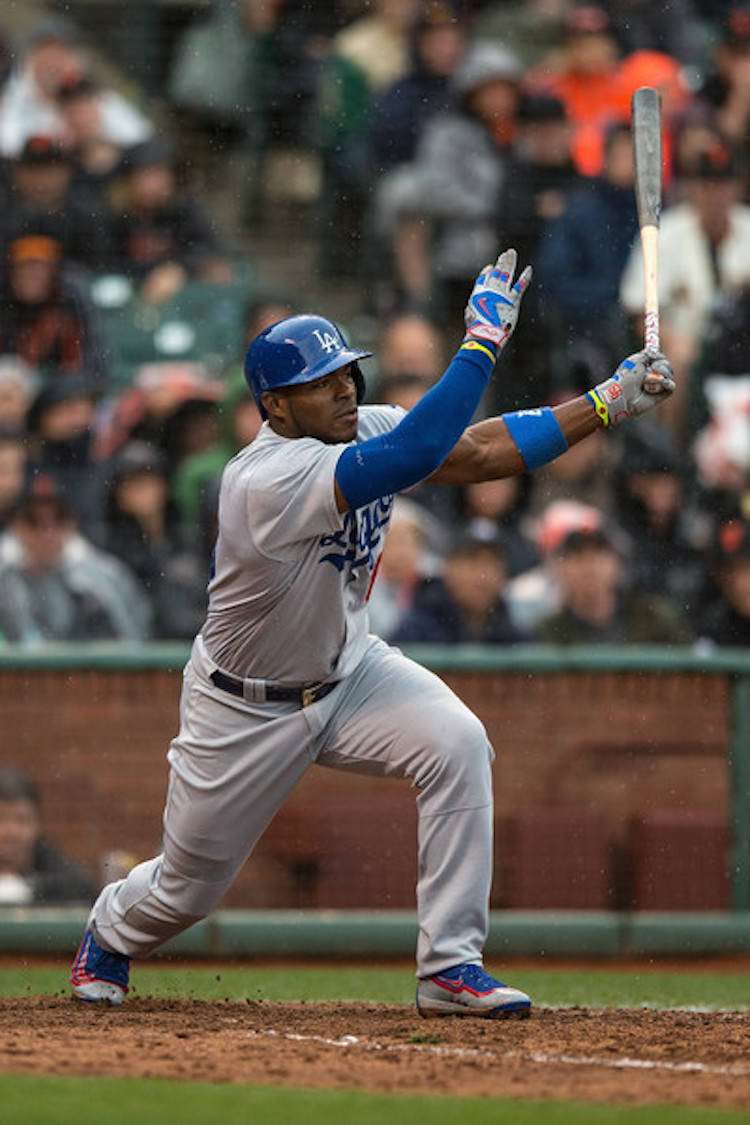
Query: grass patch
{"points": [[596, 987], [87, 1101]]}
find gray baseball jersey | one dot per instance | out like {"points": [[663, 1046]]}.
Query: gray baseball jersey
{"points": [[289, 604], [288, 598]]}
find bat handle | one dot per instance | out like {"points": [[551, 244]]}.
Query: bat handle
{"points": [[652, 384]]}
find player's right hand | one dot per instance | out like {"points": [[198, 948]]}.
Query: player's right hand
{"points": [[492, 311], [624, 395]]}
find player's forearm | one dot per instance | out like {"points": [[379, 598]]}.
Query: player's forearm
{"points": [[486, 450]]}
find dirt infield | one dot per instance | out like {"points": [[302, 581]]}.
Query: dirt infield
{"points": [[623, 1056]]}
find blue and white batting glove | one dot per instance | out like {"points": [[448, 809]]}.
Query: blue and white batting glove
{"points": [[493, 307], [623, 395]]}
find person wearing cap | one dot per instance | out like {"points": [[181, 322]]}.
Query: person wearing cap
{"points": [[47, 317], [438, 214], [704, 254], [161, 237], [465, 605], [668, 528], [142, 528], [95, 153], [726, 620], [599, 605], [29, 105], [60, 424], [55, 585], [42, 178]]}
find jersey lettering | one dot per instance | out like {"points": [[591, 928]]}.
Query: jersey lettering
{"points": [[359, 542]]}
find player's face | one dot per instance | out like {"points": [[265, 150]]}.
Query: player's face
{"points": [[325, 409]]}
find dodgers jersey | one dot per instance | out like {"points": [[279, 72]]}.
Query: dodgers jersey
{"points": [[292, 574]]}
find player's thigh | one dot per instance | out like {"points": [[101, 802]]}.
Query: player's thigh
{"points": [[400, 719], [232, 766]]}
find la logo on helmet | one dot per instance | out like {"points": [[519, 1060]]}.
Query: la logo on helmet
{"points": [[327, 342]]}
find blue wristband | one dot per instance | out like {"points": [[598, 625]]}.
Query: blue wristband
{"points": [[537, 436]]}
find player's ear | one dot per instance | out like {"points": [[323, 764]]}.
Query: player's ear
{"points": [[271, 402]]}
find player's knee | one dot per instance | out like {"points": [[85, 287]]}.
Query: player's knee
{"points": [[460, 754]]}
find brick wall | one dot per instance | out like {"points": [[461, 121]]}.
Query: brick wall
{"points": [[581, 758]]}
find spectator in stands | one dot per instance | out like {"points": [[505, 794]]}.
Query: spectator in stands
{"points": [[641, 25], [588, 476], [535, 594], [532, 29], [495, 509], [669, 533], [704, 253], [726, 621], [40, 179], [95, 154], [56, 586], [404, 564], [366, 58], [583, 253], [726, 89], [410, 344], [196, 478], [598, 606], [585, 76], [29, 106], [143, 530], [170, 405], [33, 872], [13, 472], [540, 178], [47, 318], [161, 236], [439, 37], [60, 425], [439, 213], [19, 384], [464, 605], [243, 78]]}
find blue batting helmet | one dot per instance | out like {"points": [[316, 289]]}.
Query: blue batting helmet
{"points": [[299, 349]]}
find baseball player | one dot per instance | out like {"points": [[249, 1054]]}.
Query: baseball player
{"points": [[285, 673]]}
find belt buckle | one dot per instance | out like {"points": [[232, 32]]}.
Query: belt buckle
{"points": [[308, 695]]}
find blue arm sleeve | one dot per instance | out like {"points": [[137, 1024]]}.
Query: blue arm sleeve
{"points": [[422, 440]]}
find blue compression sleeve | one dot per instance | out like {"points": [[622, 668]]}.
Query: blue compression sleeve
{"points": [[422, 440], [537, 436]]}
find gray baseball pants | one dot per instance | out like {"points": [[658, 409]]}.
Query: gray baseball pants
{"points": [[233, 764]]}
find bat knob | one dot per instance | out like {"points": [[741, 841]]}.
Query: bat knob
{"points": [[652, 384]]}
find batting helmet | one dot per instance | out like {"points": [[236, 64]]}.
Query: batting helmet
{"points": [[299, 349]]}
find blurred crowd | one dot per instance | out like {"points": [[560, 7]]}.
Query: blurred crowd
{"points": [[423, 136]]}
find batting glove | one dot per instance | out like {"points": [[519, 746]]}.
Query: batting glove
{"points": [[624, 396], [493, 307]]}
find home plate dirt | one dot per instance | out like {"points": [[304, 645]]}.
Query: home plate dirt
{"points": [[625, 1056]]}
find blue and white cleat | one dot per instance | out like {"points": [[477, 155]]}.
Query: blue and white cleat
{"points": [[467, 990], [97, 975]]}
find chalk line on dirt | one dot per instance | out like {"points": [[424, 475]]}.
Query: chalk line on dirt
{"points": [[625, 1062]]}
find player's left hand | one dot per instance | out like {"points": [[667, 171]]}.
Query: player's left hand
{"points": [[494, 303], [624, 394]]}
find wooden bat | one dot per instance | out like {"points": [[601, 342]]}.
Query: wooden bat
{"points": [[645, 110]]}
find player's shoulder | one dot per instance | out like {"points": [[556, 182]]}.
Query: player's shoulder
{"points": [[379, 418]]}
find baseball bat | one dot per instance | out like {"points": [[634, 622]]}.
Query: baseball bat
{"points": [[645, 110]]}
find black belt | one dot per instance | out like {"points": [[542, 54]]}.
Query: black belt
{"points": [[274, 693]]}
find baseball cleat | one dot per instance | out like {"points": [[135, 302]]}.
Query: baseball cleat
{"points": [[97, 975], [467, 990]]}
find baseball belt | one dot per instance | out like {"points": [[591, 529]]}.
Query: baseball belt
{"points": [[274, 693]]}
